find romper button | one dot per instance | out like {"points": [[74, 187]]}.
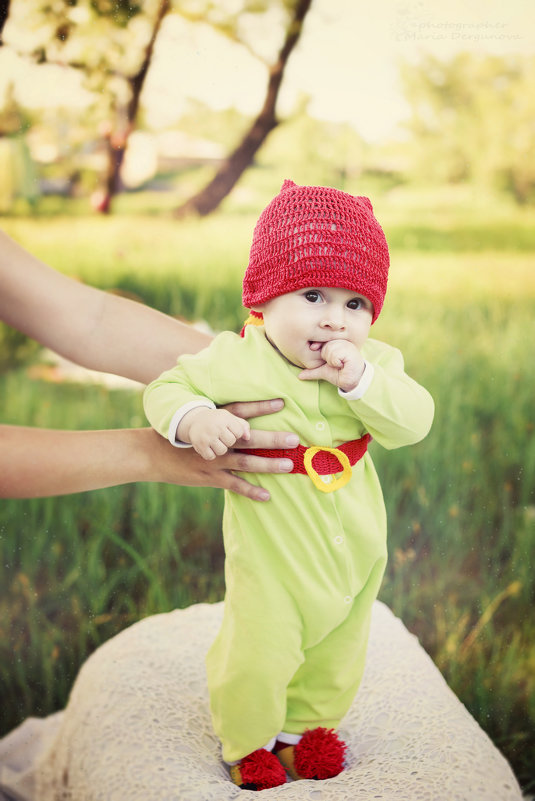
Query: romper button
{"points": [[320, 426], [348, 599], [338, 540]]}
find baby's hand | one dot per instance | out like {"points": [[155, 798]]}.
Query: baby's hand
{"points": [[212, 431], [344, 365]]}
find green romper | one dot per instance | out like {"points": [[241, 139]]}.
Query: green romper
{"points": [[303, 569]]}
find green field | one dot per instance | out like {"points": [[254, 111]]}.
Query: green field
{"points": [[461, 504]]}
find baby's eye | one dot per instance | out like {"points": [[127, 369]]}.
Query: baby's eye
{"points": [[312, 296], [355, 303]]}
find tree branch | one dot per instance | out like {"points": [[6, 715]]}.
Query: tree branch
{"points": [[117, 140], [209, 198], [4, 13], [136, 81]]}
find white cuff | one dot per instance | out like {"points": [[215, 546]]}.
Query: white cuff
{"points": [[269, 747], [365, 381], [179, 414], [291, 739]]}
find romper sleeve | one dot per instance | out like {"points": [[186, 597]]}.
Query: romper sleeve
{"points": [[186, 384], [394, 408]]}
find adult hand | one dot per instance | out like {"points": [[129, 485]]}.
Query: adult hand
{"points": [[259, 438], [37, 463], [220, 472], [188, 469]]}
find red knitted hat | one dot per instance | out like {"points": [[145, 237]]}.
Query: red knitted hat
{"points": [[316, 236]]}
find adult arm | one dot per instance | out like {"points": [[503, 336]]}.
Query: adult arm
{"points": [[108, 333], [95, 329], [43, 462]]}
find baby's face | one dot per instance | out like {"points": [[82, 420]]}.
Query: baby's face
{"points": [[299, 323]]}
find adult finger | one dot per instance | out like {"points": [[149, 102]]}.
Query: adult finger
{"points": [[242, 487], [273, 440], [248, 409], [249, 463]]}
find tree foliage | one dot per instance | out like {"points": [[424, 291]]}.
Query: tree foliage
{"points": [[112, 43], [473, 118]]}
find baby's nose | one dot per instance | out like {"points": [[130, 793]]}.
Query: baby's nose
{"points": [[334, 319]]}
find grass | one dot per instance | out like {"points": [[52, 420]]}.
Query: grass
{"points": [[461, 504]]}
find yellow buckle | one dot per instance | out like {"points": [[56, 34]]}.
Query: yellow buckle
{"points": [[316, 479]]}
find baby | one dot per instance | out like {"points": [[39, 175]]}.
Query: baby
{"points": [[303, 569]]}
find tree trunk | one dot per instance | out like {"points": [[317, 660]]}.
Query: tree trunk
{"points": [[4, 13], [116, 142], [209, 198]]}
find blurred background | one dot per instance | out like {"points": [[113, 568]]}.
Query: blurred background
{"points": [[139, 141]]}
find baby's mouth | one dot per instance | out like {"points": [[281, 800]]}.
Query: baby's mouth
{"points": [[313, 345]]}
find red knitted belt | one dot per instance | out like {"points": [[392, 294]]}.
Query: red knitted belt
{"points": [[319, 461]]}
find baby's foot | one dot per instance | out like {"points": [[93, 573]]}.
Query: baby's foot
{"points": [[319, 754], [258, 771]]}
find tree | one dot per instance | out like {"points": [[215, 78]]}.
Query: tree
{"points": [[237, 162], [4, 11], [118, 140], [473, 119], [111, 43]]}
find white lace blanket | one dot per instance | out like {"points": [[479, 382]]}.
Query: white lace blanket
{"points": [[137, 728]]}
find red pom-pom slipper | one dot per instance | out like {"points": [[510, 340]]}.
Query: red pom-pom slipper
{"points": [[319, 754], [258, 771]]}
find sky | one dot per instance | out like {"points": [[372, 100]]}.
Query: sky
{"points": [[346, 61]]}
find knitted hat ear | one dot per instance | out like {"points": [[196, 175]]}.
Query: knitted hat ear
{"points": [[287, 184], [316, 236]]}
